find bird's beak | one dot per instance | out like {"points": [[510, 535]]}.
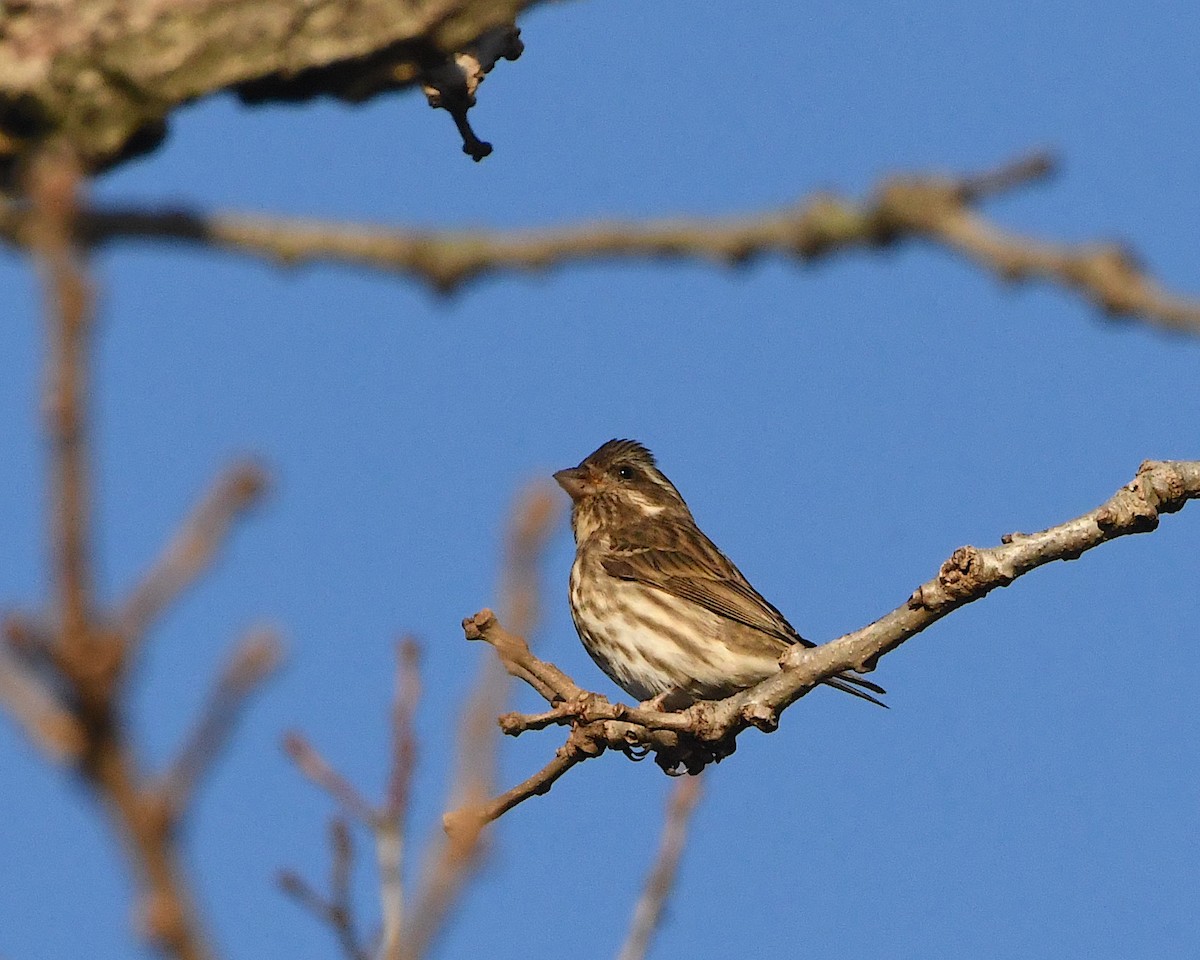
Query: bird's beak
{"points": [[576, 481]]}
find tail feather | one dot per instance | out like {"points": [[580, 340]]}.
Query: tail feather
{"points": [[849, 683]]}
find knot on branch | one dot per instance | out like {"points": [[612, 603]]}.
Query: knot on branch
{"points": [[1134, 509], [1164, 483], [968, 574]]}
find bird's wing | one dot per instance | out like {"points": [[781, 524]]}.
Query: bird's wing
{"points": [[679, 559]]}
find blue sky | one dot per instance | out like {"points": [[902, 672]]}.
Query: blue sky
{"points": [[838, 429]]}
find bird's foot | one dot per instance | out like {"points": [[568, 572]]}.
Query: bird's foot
{"points": [[669, 701]]}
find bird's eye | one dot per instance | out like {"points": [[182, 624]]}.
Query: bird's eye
{"points": [[625, 473]]}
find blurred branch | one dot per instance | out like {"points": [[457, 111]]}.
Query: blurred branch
{"points": [[707, 731], [80, 656], [191, 551], [936, 209], [390, 830], [648, 914], [338, 911], [386, 822], [253, 661], [317, 769], [452, 856], [54, 183], [46, 721]]}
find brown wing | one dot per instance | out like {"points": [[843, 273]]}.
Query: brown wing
{"points": [[678, 558]]}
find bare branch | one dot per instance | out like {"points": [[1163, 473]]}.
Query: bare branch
{"points": [[389, 829], [47, 723], [647, 916], [84, 658], [936, 209], [337, 913], [191, 551], [315, 767], [518, 659], [341, 903], [252, 662], [706, 732], [54, 183], [468, 821], [451, 857]]}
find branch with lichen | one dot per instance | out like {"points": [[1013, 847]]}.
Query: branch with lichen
{"points": [[105, 75], [707, 731], [939, 210]]}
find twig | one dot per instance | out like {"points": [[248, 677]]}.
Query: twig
{"points": [[46, 721], [936, 209], [468, 820], [647, 916], [341, 904], [253, 661], [191, 550], [707, 731], [318, 770], [338, 911]]}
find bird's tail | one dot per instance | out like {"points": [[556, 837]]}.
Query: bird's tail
{"points": [[858, 687]]}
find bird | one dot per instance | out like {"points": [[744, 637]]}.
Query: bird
{"points": [[660, 609]]}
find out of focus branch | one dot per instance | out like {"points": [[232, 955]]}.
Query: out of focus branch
{"points": [[54, 181], [707, 731], [63, 673], [252, 662], [937, 209], [385, 822], [452, 856], [49, 724], [191, 551], [337, 912], [648, 914]]}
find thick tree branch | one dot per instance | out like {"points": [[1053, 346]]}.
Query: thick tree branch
{"points": [[707, 731], [936, 209], [105, 75]]}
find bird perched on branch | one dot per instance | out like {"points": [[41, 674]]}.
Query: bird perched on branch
{"points": [[660, 609]]}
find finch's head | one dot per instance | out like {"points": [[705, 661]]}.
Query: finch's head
{"points": [[621, 481]]}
